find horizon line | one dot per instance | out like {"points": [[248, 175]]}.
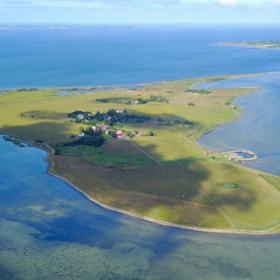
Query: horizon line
{"points": [[139, 24]]}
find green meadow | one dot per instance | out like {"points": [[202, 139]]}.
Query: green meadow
{"points": [[166, 176]]}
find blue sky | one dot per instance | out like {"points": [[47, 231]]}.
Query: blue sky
{"points": [[140, 11]]}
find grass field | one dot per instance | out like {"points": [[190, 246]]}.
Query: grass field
{"points": [[168, 176]]}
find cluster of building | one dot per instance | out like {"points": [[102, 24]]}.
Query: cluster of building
{"points": [[104, 123], [106, 129]]}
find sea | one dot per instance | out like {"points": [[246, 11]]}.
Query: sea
{"points": [[48, 230]]}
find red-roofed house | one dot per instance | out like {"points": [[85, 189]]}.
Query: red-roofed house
{"points": [[120, 134]]}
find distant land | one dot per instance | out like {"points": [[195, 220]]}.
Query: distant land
{"points": [[135, 150], [254, 44]]}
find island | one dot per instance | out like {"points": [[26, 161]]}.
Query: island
{"points": [[254, 44], [135, 150]]}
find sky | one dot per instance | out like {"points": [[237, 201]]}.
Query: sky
{"points": [[140, 11]]}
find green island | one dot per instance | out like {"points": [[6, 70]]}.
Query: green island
{"points": [[254, 44], [136, 150]]}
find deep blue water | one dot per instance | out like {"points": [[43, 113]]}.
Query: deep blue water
{"points": [[31, 57], [50, 231]]}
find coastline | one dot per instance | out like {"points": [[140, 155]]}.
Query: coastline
{"points": [[240, 112], [50, 153], [162, 223], [129, 85]]}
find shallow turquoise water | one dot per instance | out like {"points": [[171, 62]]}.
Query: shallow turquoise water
{"points": [[258, 128], [50, 231]]}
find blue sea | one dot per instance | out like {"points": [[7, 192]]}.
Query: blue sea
{"points": [[72, 56], [48, 230]]}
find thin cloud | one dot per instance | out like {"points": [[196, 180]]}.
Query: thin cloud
{"points": [[56, 3], [141, 11], [141, 4], [228, 3]]}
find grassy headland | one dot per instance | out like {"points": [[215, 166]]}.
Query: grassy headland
{"points": [[161, 172]]}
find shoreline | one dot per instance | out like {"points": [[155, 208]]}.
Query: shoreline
{"points": [[128, 85], [49, 158], [49, 151], [162, 223]]}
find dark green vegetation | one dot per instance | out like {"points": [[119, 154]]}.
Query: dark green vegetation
{"points": [[93, 140], [113, 116], [112, 153], [161, 172], [132, 101], [110, 117]]}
